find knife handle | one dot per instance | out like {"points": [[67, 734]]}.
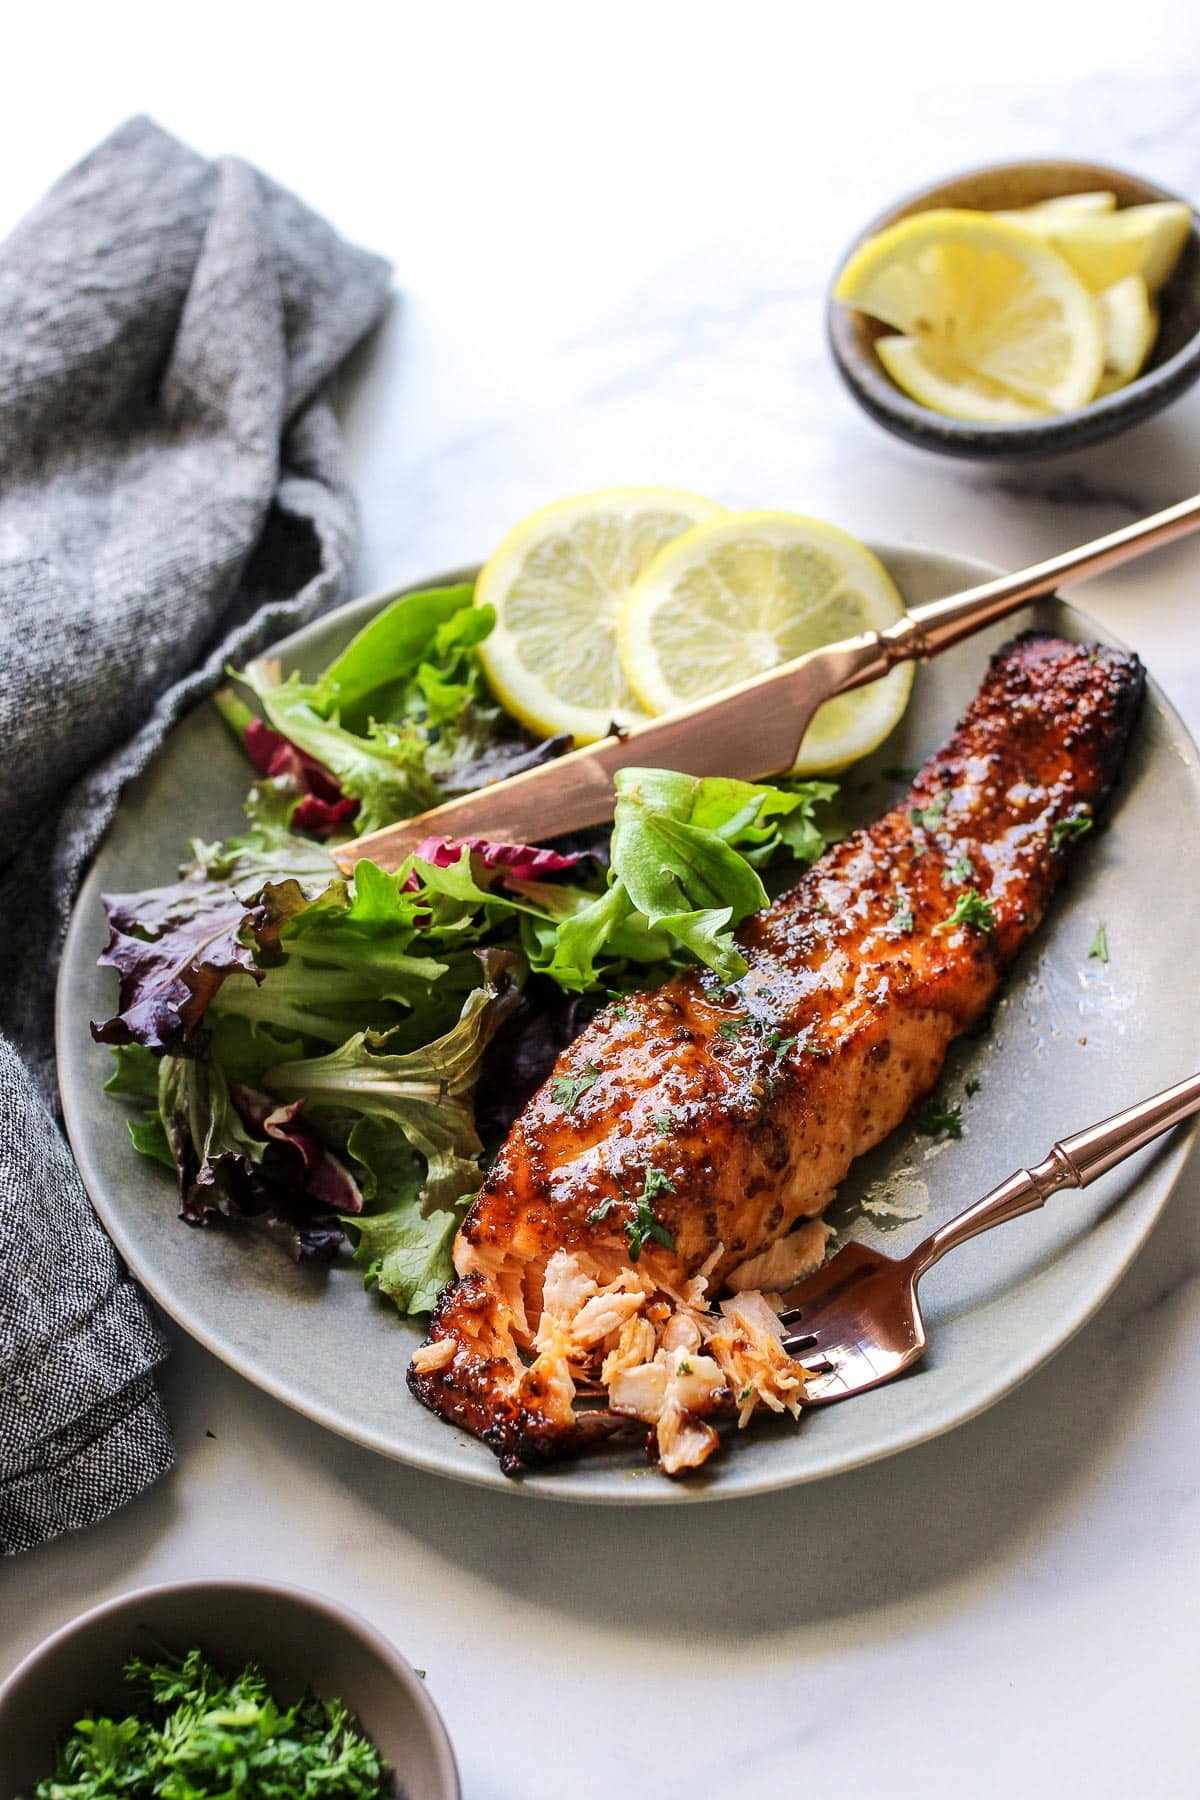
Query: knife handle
{"points": [[928, 629]]}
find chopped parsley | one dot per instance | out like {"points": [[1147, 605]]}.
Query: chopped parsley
{"points": [[960, 870], [902, 913], [936, 1119], [780, 1045], [1068, 829], [970, 909], [930, 817], [622, 1012], [732, 1028], [192, 1731], [744, 1395], [1099, 947], [644, 1224], [683, 1368], [972, 1086], [662, 1124], [657, 1182], [566, 1089]]}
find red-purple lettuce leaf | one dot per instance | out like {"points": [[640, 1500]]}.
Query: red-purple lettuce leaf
{"points": [[321, 808], [228, 1171], [309, 1165], [510, 862], [172, 948]]}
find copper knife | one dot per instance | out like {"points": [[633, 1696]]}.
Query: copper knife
{"points": [[754, 729]]}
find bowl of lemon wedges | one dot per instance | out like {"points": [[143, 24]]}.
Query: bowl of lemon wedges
{"points": [[1021, 310]]}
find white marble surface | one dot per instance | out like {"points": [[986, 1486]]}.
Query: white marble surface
{"points": [[612, 228]]}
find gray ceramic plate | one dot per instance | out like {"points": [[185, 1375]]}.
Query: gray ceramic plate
{"points": [[1072, 1041]]}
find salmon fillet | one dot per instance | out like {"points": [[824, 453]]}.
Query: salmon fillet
{"points": [[689, 1139]]}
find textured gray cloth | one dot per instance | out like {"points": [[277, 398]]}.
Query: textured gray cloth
{"points": [[171, 495]]}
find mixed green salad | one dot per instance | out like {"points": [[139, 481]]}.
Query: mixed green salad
{"points": [[194, 1734], [322, 1059]]}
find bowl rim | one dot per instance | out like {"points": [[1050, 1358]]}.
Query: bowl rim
{"points": [[397, 1666], [870, 382]]}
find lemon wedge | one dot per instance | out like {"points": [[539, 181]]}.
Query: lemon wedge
{"points": [[745, 592], [1043, 213], [986, 296], [946, 387], [557, 583], [1104, 248], [1130, 325]]}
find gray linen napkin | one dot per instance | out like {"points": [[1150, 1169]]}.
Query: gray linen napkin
{"points": [[171, 495]]}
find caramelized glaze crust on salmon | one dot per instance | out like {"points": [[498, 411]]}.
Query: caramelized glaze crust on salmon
{"points": [[690, 1138]]}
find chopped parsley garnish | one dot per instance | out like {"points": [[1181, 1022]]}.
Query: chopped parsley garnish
{"points": [[1067, 829], [780, 1045], [960, 870], [930, 817], [1099, 947], [622, 1012], [970, 909], [972, 1086], [683, 1368], [730, 1029], [744, 1395], [935, 1118], [644, 1224], [191, 1731], [902, 913], [566, 1089], [662, 1124], [657, 1182]]}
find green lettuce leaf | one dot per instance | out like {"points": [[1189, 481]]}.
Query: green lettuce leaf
{"points": [[673, 856], [384, 770], [407, 1254], [136, 1078], [424, 631], [424, 1095]]}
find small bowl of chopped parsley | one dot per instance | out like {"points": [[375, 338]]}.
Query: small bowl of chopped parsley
{"points": [[202, 1689]]}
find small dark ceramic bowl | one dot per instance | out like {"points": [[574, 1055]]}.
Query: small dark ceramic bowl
{"points": [[1172, 367], [298, 1639]]}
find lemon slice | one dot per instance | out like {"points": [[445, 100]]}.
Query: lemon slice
{"points": [[987, 296], [947, 388], [557, 583], [1130, 324], [748, 591], [1104, 249]]}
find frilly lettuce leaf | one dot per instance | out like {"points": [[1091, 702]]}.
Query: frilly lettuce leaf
{"points": [[425, 1094], [231, 1167], [407, 1254], [383, 769], [682, 869]]}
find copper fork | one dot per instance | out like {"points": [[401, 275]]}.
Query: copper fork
{"points": [[857, 1322]]}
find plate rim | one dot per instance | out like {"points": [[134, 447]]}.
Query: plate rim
{"points": [[1169, 1163]]}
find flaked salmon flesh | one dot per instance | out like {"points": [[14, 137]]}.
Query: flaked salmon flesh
{"points": [[712, 1123]]}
